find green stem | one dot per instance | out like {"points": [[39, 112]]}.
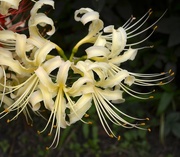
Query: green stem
{"points": [[61, 53]]}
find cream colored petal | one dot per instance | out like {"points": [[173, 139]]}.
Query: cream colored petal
{"points": [[111, 94], [79, 109], [96, 51], [128, 55], [5, 5], [76, 88], [52, 64], [42, 52], [35, 100], [113, 80], [129, 80], [45, 80], [42, 20], [63, 73], [15, 66], [39, 4]]}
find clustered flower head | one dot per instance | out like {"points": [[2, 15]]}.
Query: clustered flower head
{"points": [[32, 78]]}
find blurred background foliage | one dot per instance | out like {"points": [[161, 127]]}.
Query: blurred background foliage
{"points": [[80, 140]]}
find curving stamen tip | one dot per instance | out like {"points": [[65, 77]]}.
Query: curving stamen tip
{"points": [[143, 124], [86, 115], [119, 138], [150, 10], [90, 123], [155, 27], [6, 110], [111, 135], [147, 118]]}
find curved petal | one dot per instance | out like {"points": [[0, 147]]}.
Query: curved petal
{"points": [[78, 110], [5, 5]]}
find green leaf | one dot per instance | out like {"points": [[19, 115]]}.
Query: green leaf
{"points": [[164, 102], [176, 129]]}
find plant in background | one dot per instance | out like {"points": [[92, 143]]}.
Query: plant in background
{"points": [[36, 73]]}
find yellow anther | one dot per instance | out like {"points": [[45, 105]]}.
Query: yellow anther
{"points": [[147, 118], [170, 71], [111, 135], [38, 132], [119, 138], [149, 129], [6, 110], [8, 121], [49, 134], [143, 123], [151, 97], [86, 115], [155, 27], [89, 122], [172, 74], [160, 83], [55, 126], [47, 148]]}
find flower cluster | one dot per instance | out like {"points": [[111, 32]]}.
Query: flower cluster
{"points": [[32, 78]]}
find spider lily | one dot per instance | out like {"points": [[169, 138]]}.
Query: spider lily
{"points": [[102, 93]]}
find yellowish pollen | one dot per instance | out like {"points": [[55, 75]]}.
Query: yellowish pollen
{"points": [[160, 83], [124, 124], [8, 121], [170, 71], [143, 123], [147, 118], [6, 110], [163, 73], [55, 126], [119, 138], [38, 132], [110, 135], [172, 74], [151, 97], [155, 27], [49, 134], [86, 115], [149, 129], [47, 148], [89, 122]]}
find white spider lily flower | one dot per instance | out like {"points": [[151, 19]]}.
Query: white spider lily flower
{"points": [[112, 49], [57, 106], [27, 81], [5, 5], [102, 93]]}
